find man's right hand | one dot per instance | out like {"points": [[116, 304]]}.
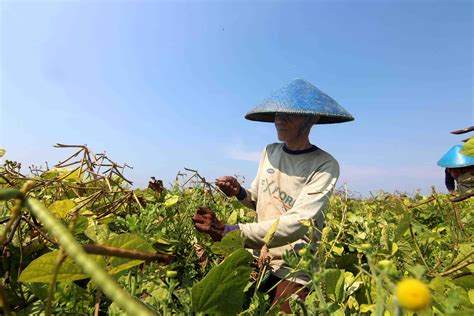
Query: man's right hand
{"points": [[229, 185], [206, 221]]}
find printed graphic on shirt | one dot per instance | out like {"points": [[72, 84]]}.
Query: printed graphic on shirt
{"points": [[276, 193]]}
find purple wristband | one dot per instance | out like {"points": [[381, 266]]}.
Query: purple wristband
{"points": [[229, 228]]}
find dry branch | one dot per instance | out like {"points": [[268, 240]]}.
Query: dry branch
{"points": [[463, 131], [462, 197]]}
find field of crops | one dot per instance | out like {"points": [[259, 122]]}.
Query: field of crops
{"points": [[76, 239]]}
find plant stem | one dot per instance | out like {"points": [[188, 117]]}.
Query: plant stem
{"points": [[417, 247], [59, 260], [465, 264], [97, 302], [3, 301]]}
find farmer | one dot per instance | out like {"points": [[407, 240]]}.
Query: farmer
{"points": [[459, 168], [294, 182]]}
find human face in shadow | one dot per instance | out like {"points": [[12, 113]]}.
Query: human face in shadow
{"points": [[290, 128]]}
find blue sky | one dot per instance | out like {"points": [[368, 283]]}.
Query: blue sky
{"points": [[165, 85]]}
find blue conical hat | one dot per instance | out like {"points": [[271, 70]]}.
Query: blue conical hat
{"points": [[300, 97], [454, 159]]}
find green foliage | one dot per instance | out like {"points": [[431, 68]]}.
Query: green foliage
{"points": [[334, 281], [170, 200], [221, 290], [468, 148], [62, 208], [271, 232], [90, 267], [42, 270], [126, 241], [366, 247], [402, 227], [230, 243]]}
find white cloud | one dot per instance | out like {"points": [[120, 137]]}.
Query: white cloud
{"points": [[365, 178], [239, 153], [356, 172]]}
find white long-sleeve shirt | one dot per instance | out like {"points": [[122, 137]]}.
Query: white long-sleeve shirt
{"points": [[291, 186]]}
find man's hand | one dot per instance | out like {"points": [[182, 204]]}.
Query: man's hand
{"points": [[206, 221], [229, 185]]}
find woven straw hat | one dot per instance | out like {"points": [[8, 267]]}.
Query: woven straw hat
{"points": [[454, 159], [300, 97]]}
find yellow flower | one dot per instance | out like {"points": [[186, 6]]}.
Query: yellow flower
{"points": [[412, 294]]}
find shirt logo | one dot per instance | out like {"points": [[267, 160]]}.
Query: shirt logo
{"points": [[270, 170], [275, 192]]}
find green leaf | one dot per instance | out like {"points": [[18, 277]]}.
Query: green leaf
{"points": [[62, 208], [417, 270], [352, 303], [350, 285], [456, 297], [42, 268], [335, 284], [221, 290], [148, 195], [336, 310], [394, 249], [81, 225], [338, 250], [355, 218], [306, 222], [2, 152], [271, 232], [466, 282], [40, 290], [231, 242], [366, 308], [164, 245], [402, 226], [233, 218], [98, 233], [62, 172], [50, 174], [464, 251], [170, 200], [115, 310], [439, 284], [71, 176], [160, 294], [126, 241], [468, 148], [35, 308]]}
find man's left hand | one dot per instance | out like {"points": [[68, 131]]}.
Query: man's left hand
{"points": [[206, 221]]}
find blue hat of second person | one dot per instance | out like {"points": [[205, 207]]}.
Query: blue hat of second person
{"points": [[300, 97], [454, 159]]}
